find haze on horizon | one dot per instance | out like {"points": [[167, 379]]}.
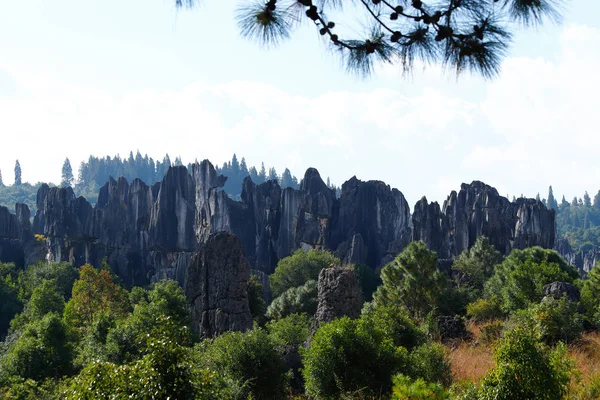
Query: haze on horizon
{"points": [[105, 78]]}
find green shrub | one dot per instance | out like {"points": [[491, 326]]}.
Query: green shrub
{"points": [[395, 323], [258, 307], [483, 310], [291, 330], [491, 331], [429, 362], [300, 267], [28, 389], [552, 320], [42, 350], [519, 280], [348, 356], [412, 281], [298, 300], [249, 360], [404, 388], [527, 370]]}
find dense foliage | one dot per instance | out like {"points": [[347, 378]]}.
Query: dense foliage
{"points": [[77, 333]]}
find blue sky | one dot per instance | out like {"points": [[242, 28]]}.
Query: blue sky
{"points": [[105, 77]]}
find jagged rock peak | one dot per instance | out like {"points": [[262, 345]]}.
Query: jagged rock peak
{"points": [[312, 182]]}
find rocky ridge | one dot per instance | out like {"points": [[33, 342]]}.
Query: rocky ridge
{"points": [[148, 233]]}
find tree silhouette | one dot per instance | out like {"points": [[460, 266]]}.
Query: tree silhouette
{"points": [[1, 181], [462, 35], [17, 173], [67, 174]]}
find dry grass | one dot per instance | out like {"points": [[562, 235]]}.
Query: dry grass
{"points": [[470, 363], [586, 353]]}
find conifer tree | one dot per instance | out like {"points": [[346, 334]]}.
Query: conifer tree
{"points": [[67, 174], [466, 35], [1, 182], [586, 200], [17, 173]]}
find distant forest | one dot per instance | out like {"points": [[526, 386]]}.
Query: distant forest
{"points": [[95, 172]]}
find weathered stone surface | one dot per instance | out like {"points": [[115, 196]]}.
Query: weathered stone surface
{"points": [[373, 221], [452, 327], [217, 286], [583, 261], [11, 245], [430, 226], [339, 295], [478, 210], [558, 289], [148, 232]]}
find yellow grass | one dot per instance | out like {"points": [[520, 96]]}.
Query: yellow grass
{"points": [[586, 353], [470, 363]]}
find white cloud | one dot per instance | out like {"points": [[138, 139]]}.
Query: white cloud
{"points": [[537, 125]]}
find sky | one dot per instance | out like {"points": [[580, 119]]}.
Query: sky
{"points": [[105, 77]]}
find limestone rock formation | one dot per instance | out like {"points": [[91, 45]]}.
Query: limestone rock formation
{"points": [[217, 286], [583, 261], [430, 226], [339, 295], [478, 210], [373, 222], [558, 289], [11, 246], [149, 233]]}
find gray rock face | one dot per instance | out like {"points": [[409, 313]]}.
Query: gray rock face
{"points": [[148, 233], [558, 289], [217, 287], [11, 243], [373, 222], [584, 261], [478, 210], [339, 295], [430, 226]]}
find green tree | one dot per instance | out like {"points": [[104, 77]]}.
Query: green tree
{"points": [[258, 306], [590, 293], [248, 359], [300, 267], [475, 266], [417, 389], [519, 280], [126, 339], [346, 356], [587, 201], [63, 274], [67, 174], [301, 299], [553, 320], [9, 304], [45, 299], [17, 173], [412, 281], [470, 35], [42, 350], [395, 324], [165, 371], [291, 330], [527, 370], [597, 200], [1, 181], [95, 293]]}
